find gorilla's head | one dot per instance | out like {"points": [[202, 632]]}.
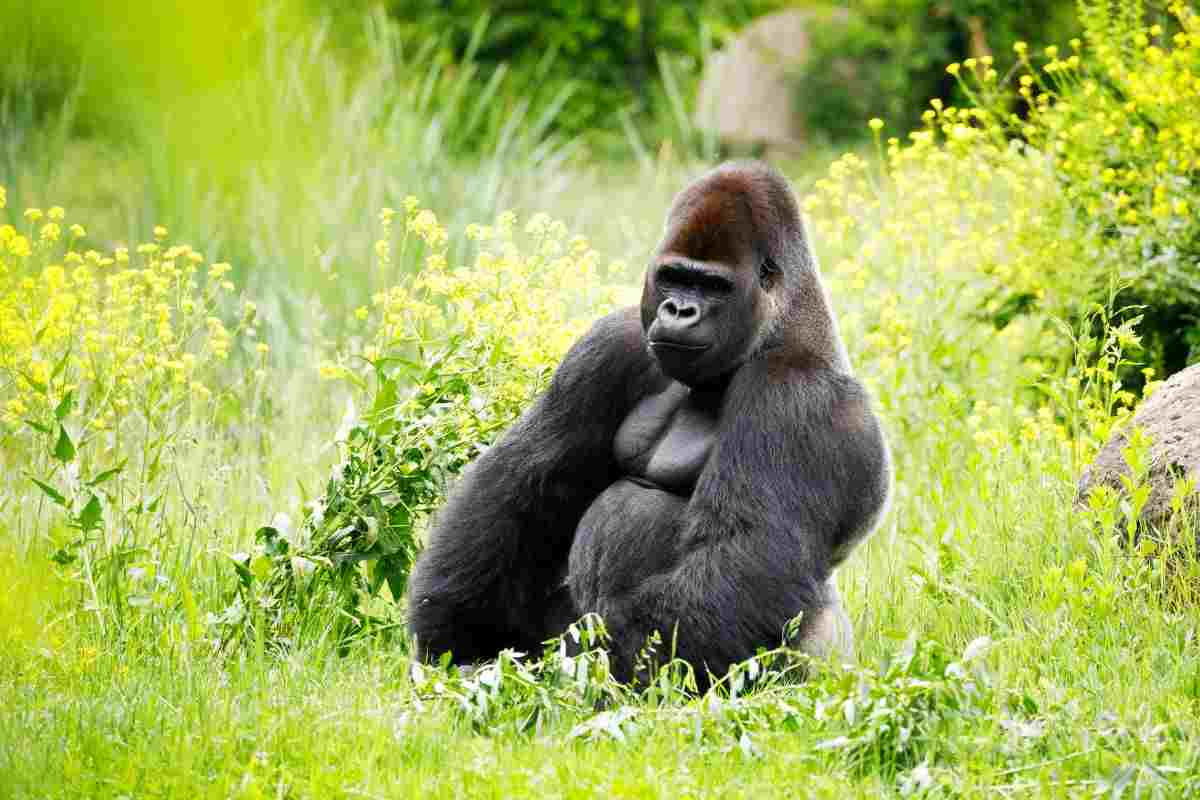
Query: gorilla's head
{"points": [[721, 285]]}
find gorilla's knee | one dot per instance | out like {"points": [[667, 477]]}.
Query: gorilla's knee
{"points": [[825, 632]]}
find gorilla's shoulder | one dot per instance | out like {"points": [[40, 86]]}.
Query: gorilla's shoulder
{"points": [[613, 340], [611, 353], [803, 389]]}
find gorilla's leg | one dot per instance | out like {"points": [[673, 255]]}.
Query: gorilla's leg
{"points": [[825, 632]]}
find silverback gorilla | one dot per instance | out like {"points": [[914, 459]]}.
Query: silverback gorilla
{"points": [[697, 467]]}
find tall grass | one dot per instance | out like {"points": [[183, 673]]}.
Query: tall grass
{"points": [[1008, 642]]}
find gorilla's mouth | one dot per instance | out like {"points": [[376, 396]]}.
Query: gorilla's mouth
{"points": [[666, 344]]}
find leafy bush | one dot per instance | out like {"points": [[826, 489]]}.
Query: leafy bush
{"points": [[520, 695], [886, 720], [604, 54], [1118, 115], [108, 363], [885, 59], [1043, 216], [441, 366]]}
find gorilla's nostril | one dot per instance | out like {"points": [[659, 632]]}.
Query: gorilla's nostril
{"points": [[676, 311]]}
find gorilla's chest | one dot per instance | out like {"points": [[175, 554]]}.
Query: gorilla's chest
{"points": [[667, 438]]}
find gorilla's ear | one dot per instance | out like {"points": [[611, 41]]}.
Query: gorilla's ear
{"points": [[768, 273]]}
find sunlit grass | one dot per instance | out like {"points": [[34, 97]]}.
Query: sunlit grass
{"points": [[116, 678]]}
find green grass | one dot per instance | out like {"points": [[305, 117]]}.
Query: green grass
{"points": [[1089, 686]]}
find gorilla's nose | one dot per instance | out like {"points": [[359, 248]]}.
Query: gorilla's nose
{"points": [[678, 315]]}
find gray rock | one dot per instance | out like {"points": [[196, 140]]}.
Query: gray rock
{"points": [[746, 92], [1171, 417]]}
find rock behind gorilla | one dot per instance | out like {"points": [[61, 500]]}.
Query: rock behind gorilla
{"points": [[698, 467]]}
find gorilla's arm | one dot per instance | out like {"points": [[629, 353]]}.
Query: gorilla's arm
{"points": [[799, 473], [492, 573]]}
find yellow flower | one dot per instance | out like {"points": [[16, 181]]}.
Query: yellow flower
{"points": [[361, 312], [160, 232], [56, 213], [876, 124], [33, 214]]}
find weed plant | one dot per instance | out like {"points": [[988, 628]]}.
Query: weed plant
{"points": [[216, 617]]}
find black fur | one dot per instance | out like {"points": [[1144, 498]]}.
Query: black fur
{"points": [[698, 466]]}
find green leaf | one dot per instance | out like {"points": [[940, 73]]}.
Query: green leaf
{"points": [[65, 406], [152, 469], [64, 448], [91, 515], [61, 365], [395, 571], [62, 557], [37, 386], [50, 491], [381, 417], [108, 473], [260, 567], [37, 426], [272, 541], [241, 563]]}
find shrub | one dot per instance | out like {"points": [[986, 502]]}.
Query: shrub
{"points": [[1083, 195], [605, 54], [108, 362], [1118, 116], [440, 366], [884, 59]]}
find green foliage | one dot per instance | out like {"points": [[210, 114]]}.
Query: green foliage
{"points": [[361, 534], [441, 366], [885, 59], [1090, 686], [604, 55], [1086, 174], [1116, 117], [882, 721], [525, 696]]}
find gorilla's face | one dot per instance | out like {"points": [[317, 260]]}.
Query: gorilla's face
{"points": [[701, 319]]}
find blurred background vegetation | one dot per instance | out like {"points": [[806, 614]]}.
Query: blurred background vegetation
{"points": [[1003, 199], [270, 132]]}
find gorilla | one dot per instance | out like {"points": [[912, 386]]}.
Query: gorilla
{"points": [[698, 466]]}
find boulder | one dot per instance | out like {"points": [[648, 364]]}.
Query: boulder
{"points": [[1171, 418], [746, 94]]}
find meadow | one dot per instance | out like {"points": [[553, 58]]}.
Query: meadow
{"points": [[236, 379]]}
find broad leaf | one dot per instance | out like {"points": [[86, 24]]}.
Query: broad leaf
{"points": [[64, 448], [50, 491], [106, 474], [65, 406], [91, 515]]}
